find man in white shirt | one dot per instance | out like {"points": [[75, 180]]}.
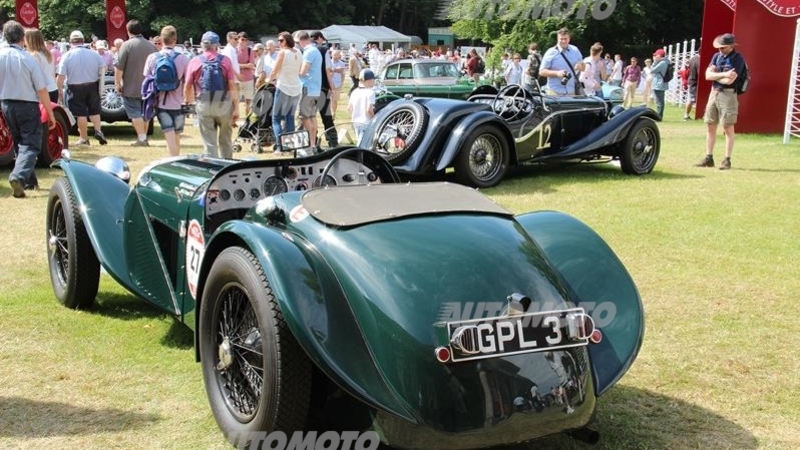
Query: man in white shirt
{"points": [[230, 51]]}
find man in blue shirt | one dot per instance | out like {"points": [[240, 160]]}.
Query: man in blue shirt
{"points": [[723, 102], [558, 65], [311, 79], [22, 87]]}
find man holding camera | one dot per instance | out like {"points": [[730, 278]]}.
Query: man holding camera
{"points": [[558, 66]]}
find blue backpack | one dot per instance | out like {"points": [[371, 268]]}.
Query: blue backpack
{"points": [[212, 78], [165, 72]]}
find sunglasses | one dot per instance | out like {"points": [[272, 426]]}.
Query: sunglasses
{"points": [[281, 40]]}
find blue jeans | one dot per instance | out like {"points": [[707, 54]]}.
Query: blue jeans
{"points": [[25, 125], [283, 108], [659, 95]]}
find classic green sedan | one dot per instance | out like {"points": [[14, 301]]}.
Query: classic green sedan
{"points": [[427, 78]]}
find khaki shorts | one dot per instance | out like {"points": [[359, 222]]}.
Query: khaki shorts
{"points": [[247, 89], [309, 105], [722, 107]]}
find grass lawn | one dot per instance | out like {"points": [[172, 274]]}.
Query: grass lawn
{"points": [[714, 254]]}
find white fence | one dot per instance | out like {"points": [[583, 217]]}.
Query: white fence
{"points": [[792, 125], [680, 54]]}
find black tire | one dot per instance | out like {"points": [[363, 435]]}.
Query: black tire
{"points": [[55, 140], [640, 149], [74, 269], [409, 119], [483, 159], [243, 333]]}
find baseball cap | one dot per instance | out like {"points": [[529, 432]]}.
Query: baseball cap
{"points": [[660, 52], [209, 37], [76, 35], [366, 75], [724, 40], [101, 44]]}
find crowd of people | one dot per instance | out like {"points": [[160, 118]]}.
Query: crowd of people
{"points": [[307, 75]]}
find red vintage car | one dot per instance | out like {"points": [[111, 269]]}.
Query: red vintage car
{"points": [[53, 141]]}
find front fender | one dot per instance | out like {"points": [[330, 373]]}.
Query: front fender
{"points": [[601, 283], [460, 132], [611, 132], [314, 307]]}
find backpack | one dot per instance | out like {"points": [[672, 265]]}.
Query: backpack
{"points": [[534, 60], [743, 80], [670, 73], [480, 66], [212, 78], [165, 72]]}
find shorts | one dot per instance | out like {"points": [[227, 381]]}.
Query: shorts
{"points": [[693, 94], [83, 100], [170, 119], [309, 105], [247, 89], [133, 107], [722, 107]]}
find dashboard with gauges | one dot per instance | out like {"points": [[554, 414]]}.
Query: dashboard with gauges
{"points": [[246, 184]]}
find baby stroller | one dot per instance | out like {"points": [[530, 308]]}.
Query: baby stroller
{"points": [[257, 127]]}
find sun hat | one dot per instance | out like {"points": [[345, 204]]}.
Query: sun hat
{"points": [[76, 36], [724, 40], [101, 44]]}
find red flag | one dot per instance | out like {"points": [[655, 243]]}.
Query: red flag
{"points": [[116, 18], [28, 13]]}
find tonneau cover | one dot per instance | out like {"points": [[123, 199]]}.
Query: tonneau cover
{"points": [[348, 206]]}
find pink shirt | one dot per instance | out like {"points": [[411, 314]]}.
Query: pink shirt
{"points": [[193, 72], [173, 99], [246, 56]]}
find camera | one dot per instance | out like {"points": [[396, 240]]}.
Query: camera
{"points": [[565, 78]]}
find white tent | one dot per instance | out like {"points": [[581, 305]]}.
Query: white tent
{"points": [[344, 35]]}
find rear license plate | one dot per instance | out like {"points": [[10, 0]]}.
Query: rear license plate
{"points": [[524, 333]]}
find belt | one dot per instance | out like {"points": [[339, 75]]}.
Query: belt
{"points": [[18, 101], [721, 89], [81, 84]]}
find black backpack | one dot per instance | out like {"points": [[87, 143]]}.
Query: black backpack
{"points": [[670, 73], [743, 80], [480, 66]]}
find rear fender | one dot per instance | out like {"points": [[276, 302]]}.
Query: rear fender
{"points": [[313, 305], [56, 110], [610, 133], [602, 285], [460, 132]]}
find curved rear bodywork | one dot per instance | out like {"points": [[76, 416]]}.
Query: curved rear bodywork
{"points": [[372, 281]]}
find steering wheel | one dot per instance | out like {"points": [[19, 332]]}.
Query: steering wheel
{"points": [[515, 101], [366, 158]]}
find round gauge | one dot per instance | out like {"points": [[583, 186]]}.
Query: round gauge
{"points": [[255, 193], [275, 185], [238, 195], [301, 186], [225, 195], [328, 181], [290, 173]]}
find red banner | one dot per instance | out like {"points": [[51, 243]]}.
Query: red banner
{"points": [[28, 13], [116, 19], [783, 8]]}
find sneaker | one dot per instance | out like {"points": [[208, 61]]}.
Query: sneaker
{"points": [[82, 142], [686, 118], [101, 138], [17, 187], [570, 410], [707, 161], [726, 164], [138, 143]]}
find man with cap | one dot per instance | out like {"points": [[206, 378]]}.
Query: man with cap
{"points": [[723, 102], [82, 70], [216, 111], [659, 71], [129, 75], [362, 102], [23, 85]]}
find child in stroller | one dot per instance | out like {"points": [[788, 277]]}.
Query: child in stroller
{"points": [[257, 127]]}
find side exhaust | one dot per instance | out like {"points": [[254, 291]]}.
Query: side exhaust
{"points": [[585, 434]]}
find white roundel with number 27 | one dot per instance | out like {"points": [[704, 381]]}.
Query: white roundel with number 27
{"points": [[195, 247]]}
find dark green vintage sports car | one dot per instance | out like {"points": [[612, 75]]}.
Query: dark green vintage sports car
{"points": [[324, 295]]}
